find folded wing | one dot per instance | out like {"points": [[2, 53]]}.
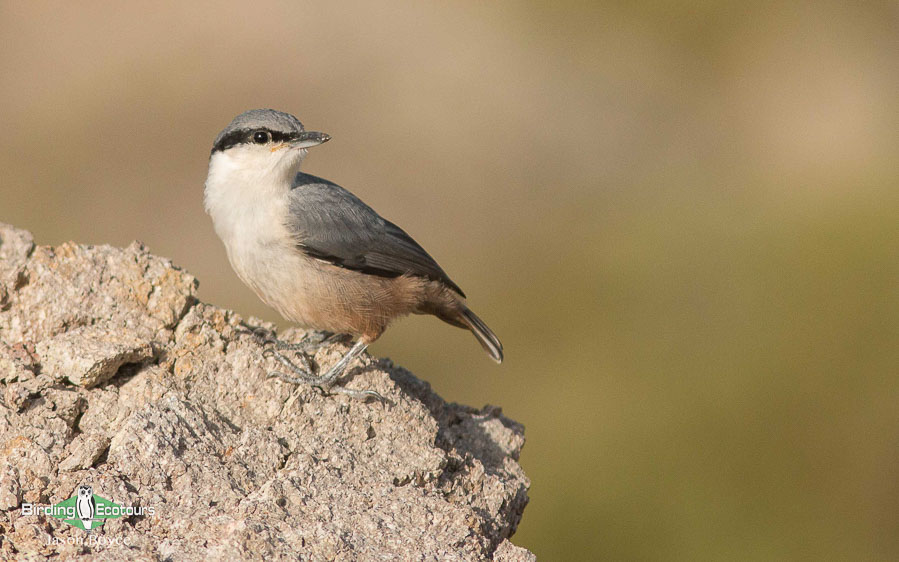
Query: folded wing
{"points": [[331, 224]]}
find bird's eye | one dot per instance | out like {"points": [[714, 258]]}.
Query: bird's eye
{"points": [[261, 137]]}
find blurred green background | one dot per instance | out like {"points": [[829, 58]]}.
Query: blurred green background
{"points": [[682, 218]]}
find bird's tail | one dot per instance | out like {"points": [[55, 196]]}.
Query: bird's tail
{"points": [[485, 335]]}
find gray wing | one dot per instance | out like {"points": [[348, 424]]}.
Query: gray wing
{"points": [[331, 224]]}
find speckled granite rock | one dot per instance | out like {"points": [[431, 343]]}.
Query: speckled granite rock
{"points": [[114, 376]]}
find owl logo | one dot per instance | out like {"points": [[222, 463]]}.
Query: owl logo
{"points": [[85, 506]]}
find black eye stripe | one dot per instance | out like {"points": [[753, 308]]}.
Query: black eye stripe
{"points": [[280, 137], [245, 136]]}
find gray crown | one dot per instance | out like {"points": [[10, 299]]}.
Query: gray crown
{"points": [[269, 119]]}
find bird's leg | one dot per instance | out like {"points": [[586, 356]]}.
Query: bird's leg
{"points": [[338, 368], [302, 349], [327, 381]]}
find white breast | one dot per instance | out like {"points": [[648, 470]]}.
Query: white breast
{"points": [[247, 201]]}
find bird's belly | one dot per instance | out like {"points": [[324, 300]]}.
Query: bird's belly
{"points": [[269, 269], [320, 296]]}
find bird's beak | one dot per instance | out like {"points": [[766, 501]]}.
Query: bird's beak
{"points": [[308, 138]]}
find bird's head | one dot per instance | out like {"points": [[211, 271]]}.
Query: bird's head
{"points": [[263, 143]]}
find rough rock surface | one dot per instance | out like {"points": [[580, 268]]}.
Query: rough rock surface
{"points": [[113, 375]]}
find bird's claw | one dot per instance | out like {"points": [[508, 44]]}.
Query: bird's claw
{"points": [[358, 394], [326, 388]]}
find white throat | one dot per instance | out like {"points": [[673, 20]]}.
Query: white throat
{"points": [[246, 192]]}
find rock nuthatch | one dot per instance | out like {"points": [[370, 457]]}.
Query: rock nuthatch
{"points": [[316, 253]]}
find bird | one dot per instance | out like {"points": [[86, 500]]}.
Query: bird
{"points": [[86, 506], [316, 253]]}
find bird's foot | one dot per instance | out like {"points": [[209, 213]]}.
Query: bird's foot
{"points": [[310, 342], [326, 383]]}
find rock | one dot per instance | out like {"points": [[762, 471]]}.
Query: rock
{"points": [[113, 375], [9, 489], [90, 355], [84, 451], [18, 362], [508, 552], [59, 289], [15, 247]]}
